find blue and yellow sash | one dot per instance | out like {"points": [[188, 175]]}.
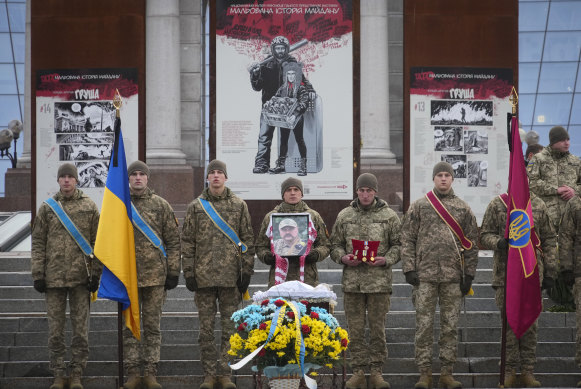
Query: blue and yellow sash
{"points": [[146, 230], [66, 221], [221, 224]]}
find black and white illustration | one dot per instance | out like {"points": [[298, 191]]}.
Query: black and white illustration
{"points": [[458, 163], [85, 138], [92, 174], [84, 117], [461, 112], [476, 142], [84, 152], [477, 173], [447, 138]]}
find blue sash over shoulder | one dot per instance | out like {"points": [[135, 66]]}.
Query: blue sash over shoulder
{"points": [[66, 221], [221, 224], [146, 230]]}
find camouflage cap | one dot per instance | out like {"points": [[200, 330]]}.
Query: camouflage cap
{"points": [[367, 180], [289, 182], [68, 168], [138, 166], [557, 134], [287, 223], [442, 167], [217, 165]]}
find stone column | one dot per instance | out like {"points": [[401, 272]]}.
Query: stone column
{"points": [[375, 150], [162, 57], [24, 160]]}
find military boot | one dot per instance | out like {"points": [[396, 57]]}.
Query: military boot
{"points": [[226, 383], [510, 378], [279, 168], [425, 381], [447, 381], [133, 381], [208, 383], [376, 380], [302, 168], [260, 166], [357, 380], [150, 382], [75, 382], [59, 382], [527, 379]]}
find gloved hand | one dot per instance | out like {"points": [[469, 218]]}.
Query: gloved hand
{"points": [[40, 285], [411, 277], [466, 284], [93, 284], [191, 284], [269, 259], [313, 257], [243, 282], [568, 278], [548, 283], [502, 244], [171, 282]]}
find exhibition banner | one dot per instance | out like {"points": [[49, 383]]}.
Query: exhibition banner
{"points": [[458, 115], [284, 96]]}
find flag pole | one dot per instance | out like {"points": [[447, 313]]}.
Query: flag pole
{"points": [[514, 101], [117, 104]]}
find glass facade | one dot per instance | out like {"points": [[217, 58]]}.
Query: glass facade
{"points": [[549, 57], [12, 50]]}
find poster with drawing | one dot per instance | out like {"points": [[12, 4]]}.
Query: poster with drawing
{"points": [[458, 115], [284, 96], [75, 123]]}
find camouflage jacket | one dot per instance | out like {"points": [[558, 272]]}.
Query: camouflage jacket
{"points": [[152, 266], [207, 253], [296, 247], [377, 222], [494, 225], [320, 245], [429, 247], [547, 171], [56, 257], [570, 237]]}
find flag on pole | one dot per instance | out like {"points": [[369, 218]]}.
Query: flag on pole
{"points": [[115, 246], [523, 290]]}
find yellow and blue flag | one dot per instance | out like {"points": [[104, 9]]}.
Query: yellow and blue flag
{"points": [[115, 246]]}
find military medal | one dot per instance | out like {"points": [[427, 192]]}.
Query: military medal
{"points": [[365, 250]]}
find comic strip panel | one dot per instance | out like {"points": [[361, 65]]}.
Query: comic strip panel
{"points": [[477, 173], [461, 112], [92, 174], [447, 138], [458, 163], [81, 116], [95, 138], [84, 152], [476, 142]]}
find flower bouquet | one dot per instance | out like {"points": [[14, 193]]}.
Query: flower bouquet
{"points": [[285, 341]]}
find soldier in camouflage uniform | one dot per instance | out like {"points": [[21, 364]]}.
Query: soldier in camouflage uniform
{"points": [[156, 273], [519, 352], [570, 258], [216, 269], [367, 285], [292, 194], [431, 257], [555, 174], [294, 246], [61, 270]]}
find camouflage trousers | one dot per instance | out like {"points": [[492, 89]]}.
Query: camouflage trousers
{"points": [[56, 305], [425, 297], [228, 301], [519, 352], [370, 307], [146, 352]]}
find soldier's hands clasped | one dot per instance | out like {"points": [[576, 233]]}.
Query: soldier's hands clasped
{"points": [[191, 284], [40, 285], [411, 277], [171, 282], [466, 284]]}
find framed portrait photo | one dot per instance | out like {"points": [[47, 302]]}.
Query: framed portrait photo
{"points": [[290, 233]]}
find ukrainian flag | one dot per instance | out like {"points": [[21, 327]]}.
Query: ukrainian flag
{"points": [[115, 246]]}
